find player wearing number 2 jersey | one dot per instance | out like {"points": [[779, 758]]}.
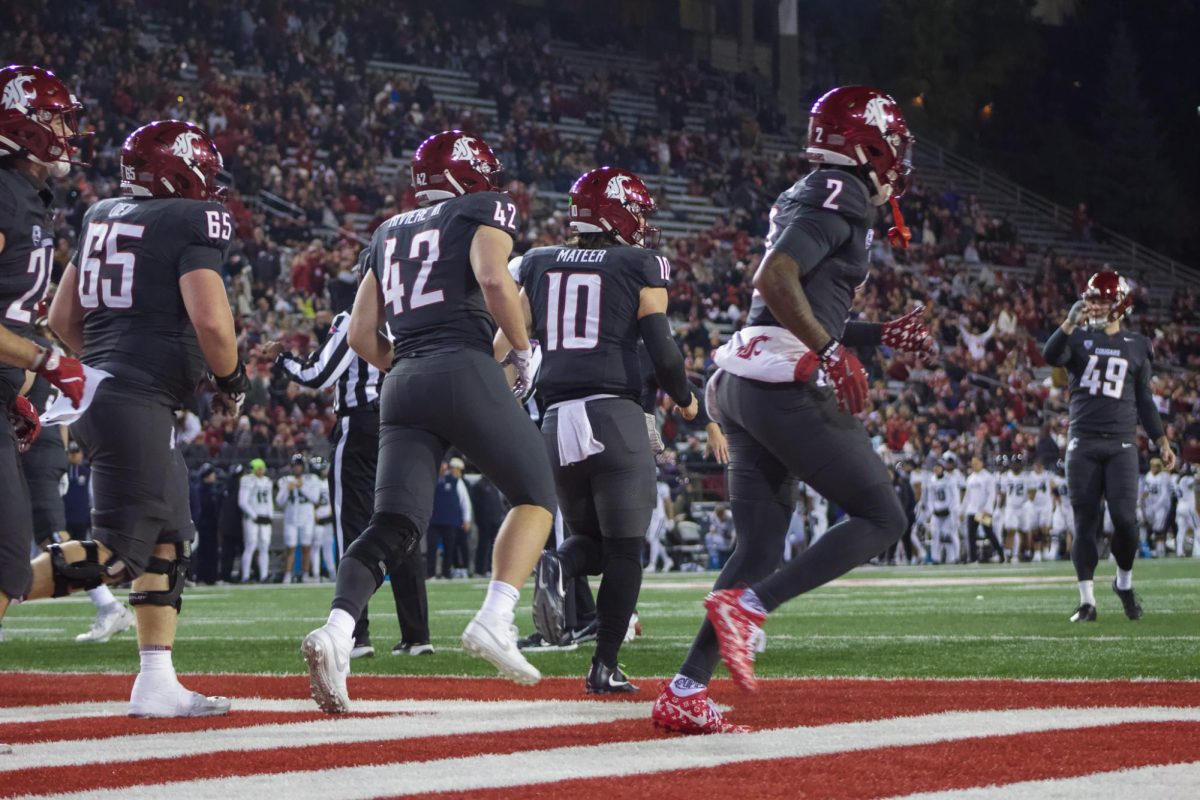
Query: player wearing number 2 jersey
{"points": [[1110, 390], [438, 278], [144, 303]]}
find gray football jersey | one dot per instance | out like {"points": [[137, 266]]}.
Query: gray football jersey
{"points": [[823, 222], [25, 262], [1106, 373], [131, 256]]}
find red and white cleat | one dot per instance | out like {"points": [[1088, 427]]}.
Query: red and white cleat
{"points": [[694, 714], [739, 633]]}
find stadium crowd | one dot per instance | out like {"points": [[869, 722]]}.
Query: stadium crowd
{"points": [[306, 124]]}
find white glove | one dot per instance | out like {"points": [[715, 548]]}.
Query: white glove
{"points": [[522, 361], [1076, 315]]}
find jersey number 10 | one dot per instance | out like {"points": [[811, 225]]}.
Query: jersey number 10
{"points": [[1113, 383], [562, 314]]}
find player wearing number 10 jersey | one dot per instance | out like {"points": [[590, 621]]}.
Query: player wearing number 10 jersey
{"points": [[437, 278], [1110, 390]]}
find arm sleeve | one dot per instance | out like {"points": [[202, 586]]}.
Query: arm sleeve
{"points": [[207, 233], [1147, 411], [1057, 351], [323, 367], [812, 237], [464, 501], [313, 490], [668, 361], [862, 334]]}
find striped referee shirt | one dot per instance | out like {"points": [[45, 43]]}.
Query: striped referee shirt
{"points": [[358, 382]]}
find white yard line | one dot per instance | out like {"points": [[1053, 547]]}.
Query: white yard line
{"points": [[627, 758], [1161, 782]]}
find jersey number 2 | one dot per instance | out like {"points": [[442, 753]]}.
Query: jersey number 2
{"points": [[21, 309], [562, 314], [393, 283]]}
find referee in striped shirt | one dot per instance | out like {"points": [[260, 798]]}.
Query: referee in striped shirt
{"points": [[355, 443]]}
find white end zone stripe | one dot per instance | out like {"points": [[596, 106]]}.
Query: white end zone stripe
{"points": [[1161, 782], [429, 718], [632, 758]]}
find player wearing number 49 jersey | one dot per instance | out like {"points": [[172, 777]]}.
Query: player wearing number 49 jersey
{"points": [[437, 278], [1110, 391], [589, 302], [144, 303]]}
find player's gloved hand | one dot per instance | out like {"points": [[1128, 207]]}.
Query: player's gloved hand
{"points": [[844, 371], [63, 372], [1077, 313], [231, 391], [522, 361], [910, 334], [656, 442], [24, 420]]}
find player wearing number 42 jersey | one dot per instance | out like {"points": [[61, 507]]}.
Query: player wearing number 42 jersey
{"points": [[144, 303], [437, 278], [1110, 391], [589, 303]]}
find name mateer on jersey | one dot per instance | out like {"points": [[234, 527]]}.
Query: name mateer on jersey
{"points": [[443, 310], [585, 311]]}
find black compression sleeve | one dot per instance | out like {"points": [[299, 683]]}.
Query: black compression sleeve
{"points": [[1056, 351], [862, 334], [668, 361]]}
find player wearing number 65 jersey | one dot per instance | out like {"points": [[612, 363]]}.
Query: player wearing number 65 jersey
{"points": [[437, 278], [144, 303], [1110, 391]]}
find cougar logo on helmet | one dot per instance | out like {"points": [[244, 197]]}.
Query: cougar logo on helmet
{"points": [[876, 113], [16, 96], [616, 188], [184, 146], [464, 150]]}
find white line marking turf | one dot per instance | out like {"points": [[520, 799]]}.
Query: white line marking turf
{"points": [[1161, 782], [623, 758]]}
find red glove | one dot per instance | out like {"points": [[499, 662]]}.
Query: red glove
{"points": [[25, 423], [844, 371], [65, 373], [910, 334]]}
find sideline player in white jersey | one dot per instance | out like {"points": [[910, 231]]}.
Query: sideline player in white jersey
{"points": [[1187, 522], [918, 478], [1062, 519], [254, 499], [323, 531], [661, 521], [818, 515], [1157, 490], [1041, 513], [1014, 499], [298, 496], [943, 516], [979, 507]]}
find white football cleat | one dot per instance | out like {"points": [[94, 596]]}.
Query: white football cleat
{"points": [[108, 623], [156, 698], [328, 655], [493, 638]]}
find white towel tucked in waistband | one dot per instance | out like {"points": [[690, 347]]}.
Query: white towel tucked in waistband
{"points": [[61, 412], [575, 439]]}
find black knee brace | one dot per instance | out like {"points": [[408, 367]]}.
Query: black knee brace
{"points": [[176, 572], [387, 541], [85, 574]]}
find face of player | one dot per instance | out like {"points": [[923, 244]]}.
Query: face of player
{"points": [[260, 471], [976, 465], [297, 470]]}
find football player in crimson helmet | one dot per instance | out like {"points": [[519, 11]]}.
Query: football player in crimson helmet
{"points": [[451, 164], [1109, 376], [614, 202], [37, 124], [171, 159]]}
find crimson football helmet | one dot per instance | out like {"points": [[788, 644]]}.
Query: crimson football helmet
{"points": [[38, 118], [452, 163], [171, 158], [1108, 298], [616, 202]]}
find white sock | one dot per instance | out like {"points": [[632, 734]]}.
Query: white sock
{"points": [[1087, 594], [683, 686], [102, 597], [157, 665], [1124, 579], [342, 622], [749, 601], [501, 599]]}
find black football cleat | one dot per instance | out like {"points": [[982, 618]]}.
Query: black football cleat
{"points": [[549, 598], [1085, 613], [1133, 609], [607, 680]]}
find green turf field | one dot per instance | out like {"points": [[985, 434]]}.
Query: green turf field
{"points": [[980, 621]]}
